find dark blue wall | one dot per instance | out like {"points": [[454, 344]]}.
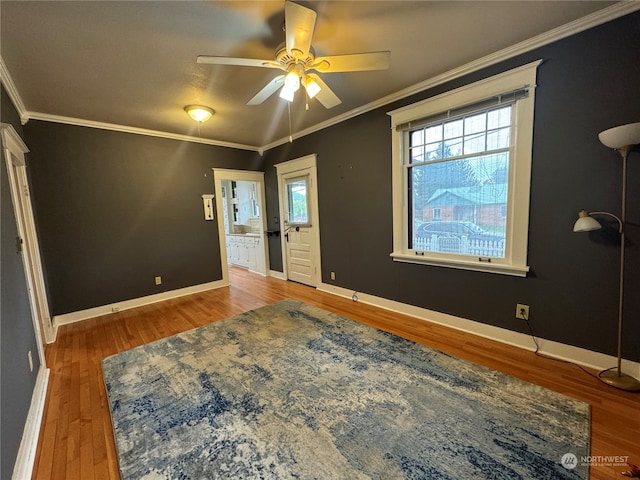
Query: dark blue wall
{"points": [[587, 83], [17, 335]]}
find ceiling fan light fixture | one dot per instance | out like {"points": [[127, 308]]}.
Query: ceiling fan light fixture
{"points": [[287, 93], [199, 113], [312, 87], [292, 81]]}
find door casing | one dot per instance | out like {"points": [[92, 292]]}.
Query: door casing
{"points": [[14, 152]]}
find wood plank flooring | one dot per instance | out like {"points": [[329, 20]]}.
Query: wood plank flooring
{"points": [[76, 440]]}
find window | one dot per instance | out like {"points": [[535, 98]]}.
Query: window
{"points": [[461, 175], [460, 165], [297, 203]]}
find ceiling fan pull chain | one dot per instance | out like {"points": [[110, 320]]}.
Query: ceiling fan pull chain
{"points": [[289, 108]]}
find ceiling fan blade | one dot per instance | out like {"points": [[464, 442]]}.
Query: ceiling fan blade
{"points": [[299, 23], [353, 62], [269, 89], [242, 62], [325, 96]]}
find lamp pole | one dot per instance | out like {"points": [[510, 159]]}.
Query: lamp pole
{"points": [[618, 379], [624, 151]]}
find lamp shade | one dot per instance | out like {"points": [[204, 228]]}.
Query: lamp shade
{"points": [[586, 223], [287, 93], [312, 87], [199, 113], [622, 136]]}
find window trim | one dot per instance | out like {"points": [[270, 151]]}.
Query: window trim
{"points": [[515, 261]]}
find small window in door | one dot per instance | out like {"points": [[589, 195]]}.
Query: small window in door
{"points": [[297, 201]]}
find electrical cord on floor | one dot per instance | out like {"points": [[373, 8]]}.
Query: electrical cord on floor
{"points": [[537, 350]]}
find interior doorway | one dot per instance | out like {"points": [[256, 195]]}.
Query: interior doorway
{"points": [[242, 225], [27, 241], [297, 187]]}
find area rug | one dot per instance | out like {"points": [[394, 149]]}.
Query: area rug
{"points": [[292, 391]]}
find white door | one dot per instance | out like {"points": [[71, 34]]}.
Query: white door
{"points": [[299, 213], [297, 230]]}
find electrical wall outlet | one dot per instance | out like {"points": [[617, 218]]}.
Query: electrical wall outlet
{"points": [[158, 280], [522, 311], [30, 357], [333, 275]]}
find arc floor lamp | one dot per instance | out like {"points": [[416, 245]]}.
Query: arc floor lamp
{"points": [[623, 139]]}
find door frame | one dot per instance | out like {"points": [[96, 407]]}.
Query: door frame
{"points": [[220, 174], [14, 153], [306, 165]]}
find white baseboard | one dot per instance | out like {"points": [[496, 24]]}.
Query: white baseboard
{"points": [[27, 452], [133, 303], [580, 356]]}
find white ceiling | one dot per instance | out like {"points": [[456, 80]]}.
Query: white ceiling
{"points": [[133, 64]]}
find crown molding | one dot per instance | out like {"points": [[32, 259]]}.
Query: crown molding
{"points": [[136, 130], [597, 18], [25, 116], [605, 15], [10, 87]]}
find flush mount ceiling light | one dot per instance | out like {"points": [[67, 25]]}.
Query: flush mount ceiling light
{"points": [[199, 113]]}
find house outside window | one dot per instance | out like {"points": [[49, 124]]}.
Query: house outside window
{"points": [[461, 175]]}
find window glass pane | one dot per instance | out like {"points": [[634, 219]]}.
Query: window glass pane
{"points": [[417, 154], [417, 138], [453, 129], [453, 147], [297, 203], [498, 139], [499, 118], [458, 206], [475, 123], [433, 134], [474, 143], [434, 151]]}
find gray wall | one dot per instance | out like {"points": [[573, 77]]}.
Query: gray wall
{"points": [[114, 210], [17, 336], [587, 83]]}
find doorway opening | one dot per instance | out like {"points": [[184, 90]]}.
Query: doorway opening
{"points": [[240, 200]]}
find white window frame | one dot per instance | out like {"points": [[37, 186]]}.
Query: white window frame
{"points": [[515, 260]]}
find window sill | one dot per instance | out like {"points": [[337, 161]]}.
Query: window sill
{"points": [[500, 268]]}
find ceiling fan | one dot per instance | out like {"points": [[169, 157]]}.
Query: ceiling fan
{"points": [[297, 58]]}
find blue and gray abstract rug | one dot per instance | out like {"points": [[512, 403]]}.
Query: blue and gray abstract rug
{"points": [[292, 391]]}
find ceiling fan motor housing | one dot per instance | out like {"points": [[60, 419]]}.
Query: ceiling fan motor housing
{"points": [[286, 59]]}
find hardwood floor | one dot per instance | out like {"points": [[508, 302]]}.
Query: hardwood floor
{"points": [[76, 440]]}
